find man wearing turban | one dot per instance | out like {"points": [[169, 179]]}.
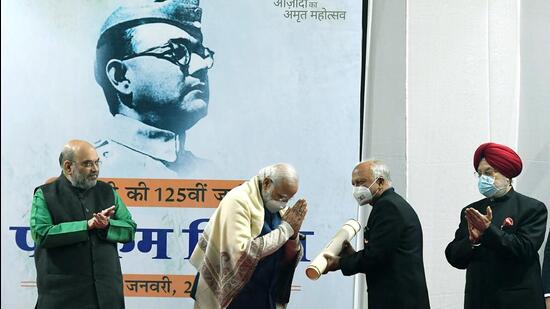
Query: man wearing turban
{"points": [[499, 236]]}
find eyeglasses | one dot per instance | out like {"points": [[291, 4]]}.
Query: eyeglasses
{"points": [[178, 53], [89, 163], [487, 172]]}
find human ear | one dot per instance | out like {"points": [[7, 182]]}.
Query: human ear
{"points": [[67, 167], [265, 183], [117, 73]]}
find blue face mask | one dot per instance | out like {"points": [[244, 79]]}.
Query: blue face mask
{"points": [[486, 186]]}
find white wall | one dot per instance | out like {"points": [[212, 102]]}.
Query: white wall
{"points": [[461, 92], [534, 114], [463, 87], [385, 114]]}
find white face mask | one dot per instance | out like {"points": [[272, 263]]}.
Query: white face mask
{"points": [[272, 205], [362, 194]]}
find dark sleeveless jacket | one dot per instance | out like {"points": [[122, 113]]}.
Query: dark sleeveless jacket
{"points": [[84, 274]]}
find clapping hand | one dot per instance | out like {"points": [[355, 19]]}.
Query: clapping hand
{"points": [[477, 222], [108, 212], [101, 219], [473, 233]]}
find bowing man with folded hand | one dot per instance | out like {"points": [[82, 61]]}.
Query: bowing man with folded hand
{"points": [[248, 252]]}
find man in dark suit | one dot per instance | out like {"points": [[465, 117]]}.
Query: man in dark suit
{"points": [[498, 249], [546, 274], [392, 258]]}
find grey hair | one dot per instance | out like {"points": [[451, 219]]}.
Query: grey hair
{"points": [[278, 172], [379, 169], [68, 153]]}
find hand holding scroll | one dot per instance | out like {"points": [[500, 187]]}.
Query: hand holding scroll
{"points": [[333, 262], [339, 246], [347, 249]]}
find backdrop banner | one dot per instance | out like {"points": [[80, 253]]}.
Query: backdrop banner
{"points": [[183, 100]]}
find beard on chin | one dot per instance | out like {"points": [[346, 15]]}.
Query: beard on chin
{"points": [[86, 184], [82, 182]]}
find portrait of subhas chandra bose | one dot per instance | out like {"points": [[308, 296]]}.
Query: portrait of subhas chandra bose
{"points": [[153, 68]]}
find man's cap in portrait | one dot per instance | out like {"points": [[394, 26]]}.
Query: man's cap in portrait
{"points": [[184, 14]]}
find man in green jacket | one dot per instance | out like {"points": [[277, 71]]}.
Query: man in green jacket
{"points": [[76, 222]]}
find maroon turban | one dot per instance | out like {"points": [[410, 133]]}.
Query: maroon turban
{"points": [[500, 157]]}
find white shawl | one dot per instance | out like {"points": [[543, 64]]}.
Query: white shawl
{"points": [[229, 250]]}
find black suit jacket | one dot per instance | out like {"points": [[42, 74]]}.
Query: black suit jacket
{"points": [[392, 260], [504, 271], [546, 268]]}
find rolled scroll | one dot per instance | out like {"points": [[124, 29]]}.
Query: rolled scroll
{"points": [[334, 247]]}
